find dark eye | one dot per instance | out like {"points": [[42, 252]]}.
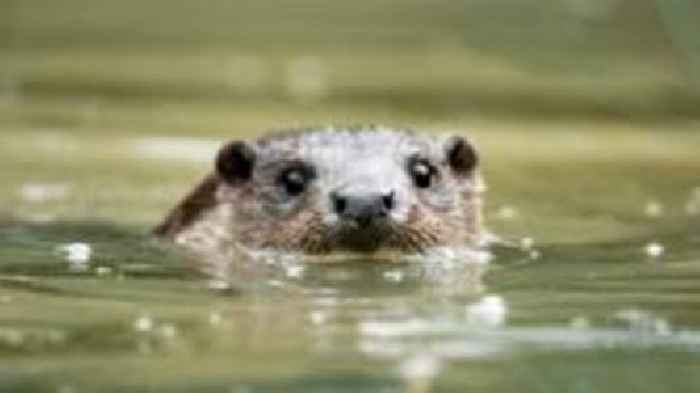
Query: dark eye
{"points": [[422, 173], [295, 180]]}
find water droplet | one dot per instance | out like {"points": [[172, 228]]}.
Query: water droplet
{"points": [[77, 252], [317, 317], [490, 311], [103, 271], [654, 249], [534, 255], [78, 255], [526, 243], [143, 324], [395, 276], [294, 271], [653, 209]]}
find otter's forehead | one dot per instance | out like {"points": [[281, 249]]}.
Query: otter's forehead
{"points": [[346, 144]]}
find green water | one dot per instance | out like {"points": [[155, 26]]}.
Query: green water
{"points": [[590, 311], [588, 132]]}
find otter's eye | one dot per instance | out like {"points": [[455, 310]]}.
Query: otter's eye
{"points": [[422, 173], [295, 180]]}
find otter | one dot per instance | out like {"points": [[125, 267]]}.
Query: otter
{"points": [[318, 191]]}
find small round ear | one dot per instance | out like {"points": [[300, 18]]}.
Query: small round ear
{"points": [[461, 155], [235, 162]]}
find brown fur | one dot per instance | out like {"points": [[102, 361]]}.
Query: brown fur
{"points": [[259, 217], [199, 200]]}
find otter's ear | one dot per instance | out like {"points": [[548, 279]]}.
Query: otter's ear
{"points": [[461, 155], [235, 162]]}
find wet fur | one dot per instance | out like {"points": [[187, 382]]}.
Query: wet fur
{"points": [[254, 214]]}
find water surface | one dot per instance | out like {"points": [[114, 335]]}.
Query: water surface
{"points": [[598, 290]]}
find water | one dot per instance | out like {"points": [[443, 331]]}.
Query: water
{"points": [[585, 115], [585, 291], [612, 316]]}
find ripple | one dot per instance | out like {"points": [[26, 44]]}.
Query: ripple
{"points": [[459, 339]]}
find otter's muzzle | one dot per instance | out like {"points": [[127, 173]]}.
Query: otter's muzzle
{"points": [[363, 210]]}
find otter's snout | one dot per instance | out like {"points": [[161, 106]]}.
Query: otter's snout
{"points": [[363, 209]]}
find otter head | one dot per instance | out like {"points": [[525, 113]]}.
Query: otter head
{"points": [[351, 190]]}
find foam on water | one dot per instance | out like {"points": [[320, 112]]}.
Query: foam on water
{"points": [[580, 322], [644, 322], [232, 265], [527, 243], [654, 250], [143, 324], [317, 317], [103, 271], [294, 271], [394, 276], [78, 255], [490, 311]]}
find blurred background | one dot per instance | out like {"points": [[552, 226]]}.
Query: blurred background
{"points": [[432, 59]]}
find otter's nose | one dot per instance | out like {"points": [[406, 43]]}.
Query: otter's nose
{"points": [[363, 209]]}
